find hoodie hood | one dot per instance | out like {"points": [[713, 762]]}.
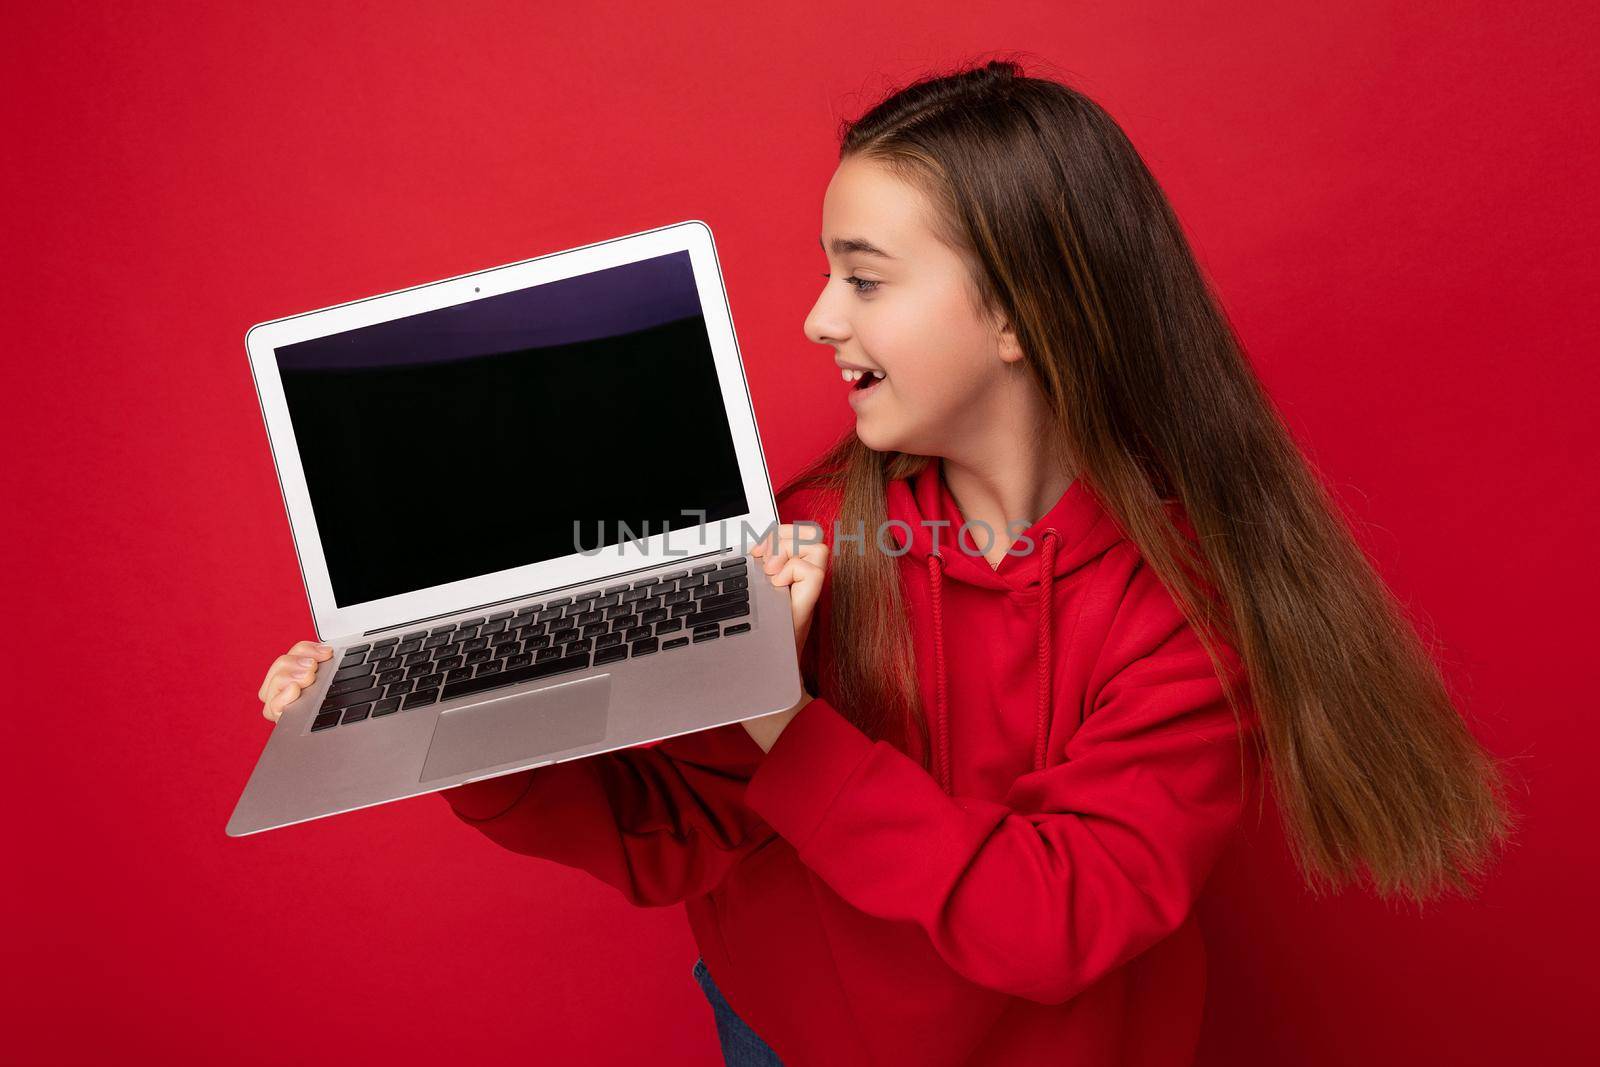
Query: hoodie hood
{"points": [[1075, 531]]}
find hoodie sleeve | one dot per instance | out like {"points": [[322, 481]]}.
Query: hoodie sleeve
{"points": [[662, 823], [1084, 864]]}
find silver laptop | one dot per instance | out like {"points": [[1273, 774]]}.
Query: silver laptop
{"points": [[523, 501]]}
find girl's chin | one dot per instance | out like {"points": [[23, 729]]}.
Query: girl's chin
{"points": [[871, 433]]}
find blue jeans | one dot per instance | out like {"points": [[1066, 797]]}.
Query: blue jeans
{"points": [[741, 1046]]}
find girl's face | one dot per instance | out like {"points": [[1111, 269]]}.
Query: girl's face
{"points": [[899, 302]]}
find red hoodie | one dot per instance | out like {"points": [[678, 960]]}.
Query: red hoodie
{"points": [[1029, 901]]}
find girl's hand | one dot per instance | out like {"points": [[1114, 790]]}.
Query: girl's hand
{"points": [[289, 675], [801, 567]]}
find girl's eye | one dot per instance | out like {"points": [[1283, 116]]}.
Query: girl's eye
{"points": [[861, 285]]}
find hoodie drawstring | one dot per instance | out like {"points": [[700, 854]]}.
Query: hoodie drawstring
{"points": [[1047, 578], [1047, 574], [935, 585]]}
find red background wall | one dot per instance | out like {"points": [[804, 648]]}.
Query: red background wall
{"points": [[1396, 201]]}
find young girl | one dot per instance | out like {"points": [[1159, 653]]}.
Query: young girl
{"points": [[980, 836]]}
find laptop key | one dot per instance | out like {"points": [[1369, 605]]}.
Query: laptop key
{"points": [[326, 719], [346, 700], [610, 653], [737, 596], [421, 699], [481, 681], [730, 611], [668, 626], [344, 674], [741, 628], [646, 646], [356, 714], [386, 706], [676, 642], [709, 634]]}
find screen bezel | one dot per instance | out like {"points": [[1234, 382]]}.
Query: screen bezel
{"points": [[332, 621]]}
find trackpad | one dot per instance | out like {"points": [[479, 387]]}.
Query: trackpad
{"points": [[518, 726]]}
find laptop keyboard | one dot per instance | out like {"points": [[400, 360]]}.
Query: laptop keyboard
{"points": [[634, 619]]}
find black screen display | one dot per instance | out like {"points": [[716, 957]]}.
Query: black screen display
{"points": [[511, 430]]}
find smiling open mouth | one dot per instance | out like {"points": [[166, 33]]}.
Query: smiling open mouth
{"points": [[862, 381]]}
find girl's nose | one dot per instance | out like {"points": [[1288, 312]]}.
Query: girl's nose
{"points": [[823, 326]]}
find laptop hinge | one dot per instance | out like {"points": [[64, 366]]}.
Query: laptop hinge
{"points": [[684, 561]]}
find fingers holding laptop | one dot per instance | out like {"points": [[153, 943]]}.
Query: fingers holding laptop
{"points": [[289, 676], [792, 560]]}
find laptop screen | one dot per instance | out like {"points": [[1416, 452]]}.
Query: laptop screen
{"points": [[515, 429]]}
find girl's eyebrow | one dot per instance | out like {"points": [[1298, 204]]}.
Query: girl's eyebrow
{"points": [[843, 246]]}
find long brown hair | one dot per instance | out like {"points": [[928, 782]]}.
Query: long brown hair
{"points": [[1067, 234]]}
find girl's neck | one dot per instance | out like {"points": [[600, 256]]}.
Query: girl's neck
{"points": [[1008, 485]]}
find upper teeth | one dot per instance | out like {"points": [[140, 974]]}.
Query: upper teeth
{"points": [[856, 375]]}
